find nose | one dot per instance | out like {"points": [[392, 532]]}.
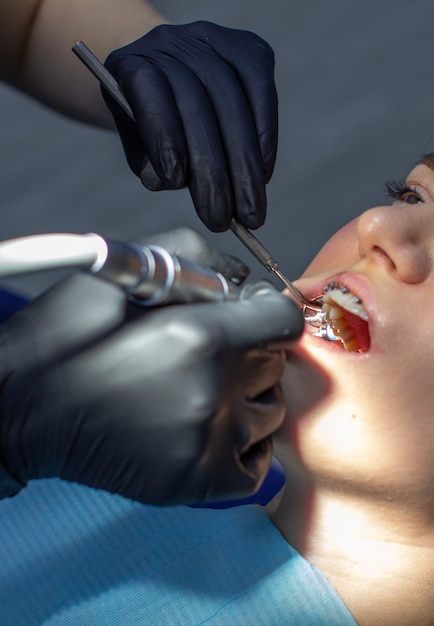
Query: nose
{"points": [[400, 237]]}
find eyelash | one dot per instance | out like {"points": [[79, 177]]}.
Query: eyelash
{"points": [[397, 190]]}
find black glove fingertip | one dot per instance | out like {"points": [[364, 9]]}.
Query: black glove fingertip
{"points": [[217, 217], [235, 270], [150, 178], [252, 207]]}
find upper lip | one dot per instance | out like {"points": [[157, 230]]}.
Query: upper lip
{"points": [[356, 283]]}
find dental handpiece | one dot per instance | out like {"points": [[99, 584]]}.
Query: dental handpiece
{"points": [[149, 275], [153, 276], [312, 311]]}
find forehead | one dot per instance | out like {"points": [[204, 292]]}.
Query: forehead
{"points": [[428, 160], [422, 172]]}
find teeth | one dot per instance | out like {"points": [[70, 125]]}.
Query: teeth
{"points": [[336, 299], [345, 299]]}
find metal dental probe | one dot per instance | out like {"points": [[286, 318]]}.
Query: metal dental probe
{"points": [[312, 311]]}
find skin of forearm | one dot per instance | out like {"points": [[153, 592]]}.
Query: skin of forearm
{"points": [[36, 37]]}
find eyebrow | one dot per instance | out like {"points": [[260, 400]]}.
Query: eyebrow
{"points": [[428, 160]]}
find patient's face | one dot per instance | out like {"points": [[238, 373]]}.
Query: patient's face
{"points": [[365, 416]]}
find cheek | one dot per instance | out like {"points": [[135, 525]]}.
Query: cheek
{"points": [[374, 428], [342, 249]]}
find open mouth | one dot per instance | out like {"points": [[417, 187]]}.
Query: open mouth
{"points": [[346, 316]]}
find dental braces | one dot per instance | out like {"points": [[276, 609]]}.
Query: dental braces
{"points": [[317, 318]]}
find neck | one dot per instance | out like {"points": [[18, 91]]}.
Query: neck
{"points": [[379, 558]]}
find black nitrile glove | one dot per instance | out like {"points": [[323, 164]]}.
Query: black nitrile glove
{"points": [[205, 105], [165, 406]]}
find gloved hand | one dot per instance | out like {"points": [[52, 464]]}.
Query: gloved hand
{"points": [[163, 406], [205, 105]]}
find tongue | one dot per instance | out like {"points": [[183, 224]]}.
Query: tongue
{"points": [[360, 329]]}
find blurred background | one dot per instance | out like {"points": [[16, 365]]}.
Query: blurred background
{"points": [[356, 92]]}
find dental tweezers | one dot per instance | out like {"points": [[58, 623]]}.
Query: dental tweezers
{"points": [[311, 310]]}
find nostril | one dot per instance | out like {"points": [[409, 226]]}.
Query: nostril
{"points": [[397, 238], [381, 254]]}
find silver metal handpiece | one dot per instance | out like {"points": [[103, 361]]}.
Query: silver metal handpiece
{"points": [[153, 276]]}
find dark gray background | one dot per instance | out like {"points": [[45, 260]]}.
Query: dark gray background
{"points": [[356, 87]]}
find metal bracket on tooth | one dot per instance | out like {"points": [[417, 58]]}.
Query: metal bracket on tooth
{"points": [[326, 332]]}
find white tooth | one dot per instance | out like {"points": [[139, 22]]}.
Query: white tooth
{"points": [[346, 301], [351, 346], [345, 334], [335, 313], [339, 324]]}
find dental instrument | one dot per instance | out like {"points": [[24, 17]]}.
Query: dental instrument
{"points": [[149, 275], [312, 310]]}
